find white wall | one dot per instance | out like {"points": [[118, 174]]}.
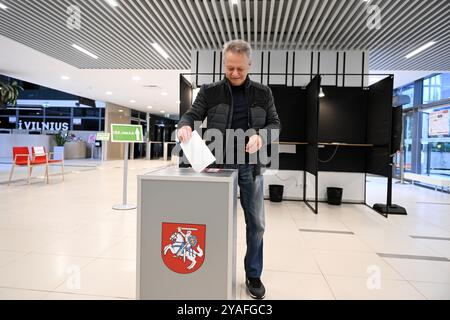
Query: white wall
{"points": [[330, 62], [352, 183]]}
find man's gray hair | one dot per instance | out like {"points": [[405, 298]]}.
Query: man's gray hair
{"points": [[238, 46]]}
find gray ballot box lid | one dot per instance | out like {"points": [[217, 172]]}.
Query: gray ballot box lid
{"points": [[188, 174]]}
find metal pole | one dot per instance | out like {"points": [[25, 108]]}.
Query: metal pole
{"points": [[125, 205], [125, 174], [148, 154]]}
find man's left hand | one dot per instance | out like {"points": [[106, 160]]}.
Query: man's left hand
{"points": [[254, 144]]}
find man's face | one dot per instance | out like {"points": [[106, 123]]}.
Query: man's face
{"points": [[237, 66]]}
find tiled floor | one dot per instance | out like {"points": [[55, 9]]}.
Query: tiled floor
{"points": [[63, 241]]}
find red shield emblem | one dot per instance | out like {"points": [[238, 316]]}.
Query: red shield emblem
{"points": [[183, 246]]}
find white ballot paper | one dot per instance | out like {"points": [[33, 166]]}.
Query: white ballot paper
{"points": [[197, 152]]}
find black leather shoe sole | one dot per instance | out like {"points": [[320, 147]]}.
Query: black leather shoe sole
{"points": [[254, 296]]}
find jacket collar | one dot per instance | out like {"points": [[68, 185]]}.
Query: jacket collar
{"points": [[247, 82]]}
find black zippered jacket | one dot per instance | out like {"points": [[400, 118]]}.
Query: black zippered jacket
{"points": [[215, 102]]}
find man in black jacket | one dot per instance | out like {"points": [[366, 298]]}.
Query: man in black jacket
{"points": [[239, 104]]}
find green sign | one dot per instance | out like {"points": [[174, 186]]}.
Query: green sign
{"points": [[102, 136], [126, 133]]}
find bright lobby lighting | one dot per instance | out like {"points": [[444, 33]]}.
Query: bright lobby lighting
{"points": [[136, 78], [112, 3], [84, 51], [419, 50], [160, 50], [65, 78]]}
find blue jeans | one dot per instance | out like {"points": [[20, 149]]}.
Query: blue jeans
{"points": [[252, 201]]}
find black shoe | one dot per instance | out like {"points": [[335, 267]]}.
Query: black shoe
{"points": [[255, 288]]}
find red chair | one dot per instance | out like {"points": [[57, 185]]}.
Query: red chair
{"points": [[21, 158], [39, 154]]}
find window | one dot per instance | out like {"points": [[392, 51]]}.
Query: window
{"points": [[407, 91], [6, 123], [86, 112], [435, 142], [57, 112], [436, 88], [87, 125]]}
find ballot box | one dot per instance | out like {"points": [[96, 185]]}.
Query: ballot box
{"points": [[186, 236]]}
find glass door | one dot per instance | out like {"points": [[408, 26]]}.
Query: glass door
{"points": [[404, 158]]}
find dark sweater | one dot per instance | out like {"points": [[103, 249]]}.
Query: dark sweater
{"points": [[240, 117], [240, 109]]}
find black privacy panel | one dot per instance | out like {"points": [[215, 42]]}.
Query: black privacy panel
{"points": [[291, 107], [312, 123], [379, 126], [342, 115]]}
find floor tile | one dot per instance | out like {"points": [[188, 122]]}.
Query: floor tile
{"points": [[358, 264], [80, 245], [107, 277], [433, 291], [9, 256], [421, 270], [359, 288], [339, 242], [292, 286], [125, 249], [20, 294], [41, 271], [71, 296]]}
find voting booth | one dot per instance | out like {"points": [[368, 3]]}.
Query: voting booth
{"points": [[186, 237]]}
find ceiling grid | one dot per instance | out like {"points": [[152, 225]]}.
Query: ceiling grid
{"points": [[122, 36]]}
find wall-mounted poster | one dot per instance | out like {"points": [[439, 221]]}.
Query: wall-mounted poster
{"points": [[439, 123]]}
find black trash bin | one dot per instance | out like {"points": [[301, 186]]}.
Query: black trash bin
{"points": [[276, 192], [334, 196]]}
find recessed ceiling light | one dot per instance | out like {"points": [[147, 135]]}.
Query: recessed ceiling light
{"points": [[164, 94], [108, 93], [120, 110], [84, 51], [160, 50], [65, 78], [419, 50], [132, 101], [150, 107], [162, 111], [136, 78], [112, 3], [2, 6]]}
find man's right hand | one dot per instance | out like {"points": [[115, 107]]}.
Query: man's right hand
{"points": [[185, 134]]}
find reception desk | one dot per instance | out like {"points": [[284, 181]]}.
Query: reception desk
{"points": [[186, 237], [75, 150]]}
